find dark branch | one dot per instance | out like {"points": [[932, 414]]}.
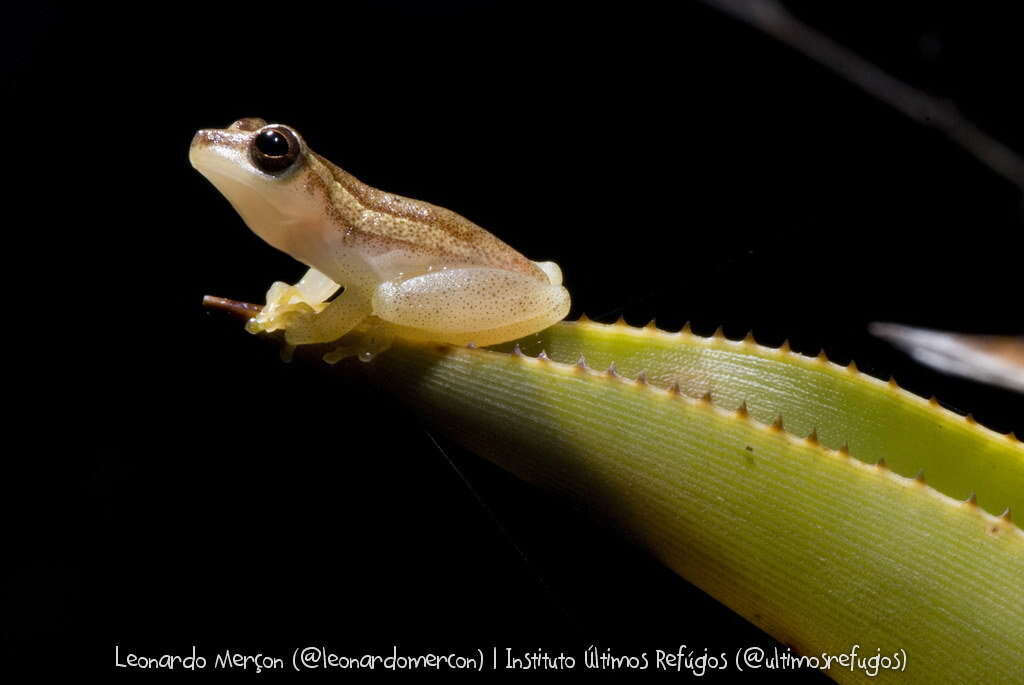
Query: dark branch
{"points": [[772, 18]]}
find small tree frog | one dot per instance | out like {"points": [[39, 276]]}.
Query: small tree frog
{"points": [[408, 268]]}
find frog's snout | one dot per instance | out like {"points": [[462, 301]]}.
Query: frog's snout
{"points": [[204, 138], [201, 140], [217, 146]]}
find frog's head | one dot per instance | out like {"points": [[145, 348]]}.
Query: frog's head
{"points": [[259, 168]]}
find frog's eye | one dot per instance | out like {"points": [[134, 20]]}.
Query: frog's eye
{"points": [[274, 149]]}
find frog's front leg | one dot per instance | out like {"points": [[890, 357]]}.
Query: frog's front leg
{"points": [[286, 302], [340, 316]]}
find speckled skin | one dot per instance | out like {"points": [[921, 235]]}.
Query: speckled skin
{"points": [[418, 270]]}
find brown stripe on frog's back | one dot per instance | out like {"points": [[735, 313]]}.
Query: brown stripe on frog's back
{"points": [[408, 222]]}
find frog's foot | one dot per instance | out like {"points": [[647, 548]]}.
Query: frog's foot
{"points": [[286, 305], [369, 344]]}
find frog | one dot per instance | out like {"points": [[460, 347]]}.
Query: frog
{"points": [[405, 268]]}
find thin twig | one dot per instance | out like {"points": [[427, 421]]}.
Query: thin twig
{"points": [[772, 18], [244, 310]]}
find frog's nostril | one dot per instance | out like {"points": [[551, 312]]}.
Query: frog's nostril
{"points": [[201, 137], [249, 124], [200, 142]]}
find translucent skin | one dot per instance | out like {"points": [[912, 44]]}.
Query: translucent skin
{"points": [[409, 268]]}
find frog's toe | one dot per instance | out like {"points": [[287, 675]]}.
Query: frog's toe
{"points": [[279, 318], [366, 346], [285, 307]]}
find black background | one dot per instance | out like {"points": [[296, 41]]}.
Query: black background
{"points": [[173, 483]]}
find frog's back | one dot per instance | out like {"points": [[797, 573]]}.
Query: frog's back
{"points": [[387, 222]]}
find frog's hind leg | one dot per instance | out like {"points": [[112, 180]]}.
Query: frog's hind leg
{"points": [[372, 341], [482, 305]]}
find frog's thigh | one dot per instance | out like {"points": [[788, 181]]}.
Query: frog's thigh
{"points": [[470, 299], [338, 318]]}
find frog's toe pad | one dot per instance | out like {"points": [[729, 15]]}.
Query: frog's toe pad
{"points": [[365, 345], [284, 308]]}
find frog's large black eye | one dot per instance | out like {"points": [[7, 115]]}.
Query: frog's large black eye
{"points": [[275, 149]]}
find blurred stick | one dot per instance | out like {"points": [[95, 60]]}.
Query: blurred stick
{"points": [[994, 359], [772, 18]]}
